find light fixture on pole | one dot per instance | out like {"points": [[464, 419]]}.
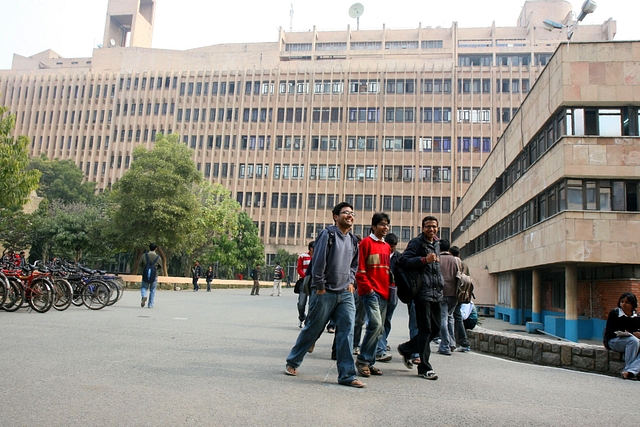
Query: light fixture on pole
{"points": [[589, 6]]}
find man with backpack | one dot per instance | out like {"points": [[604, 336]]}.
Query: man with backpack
{"points": [[151, 263], [333, 270], [421, 262]]}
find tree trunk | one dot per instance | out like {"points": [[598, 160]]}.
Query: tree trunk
{"points": [[136, 264], [164, 261]]}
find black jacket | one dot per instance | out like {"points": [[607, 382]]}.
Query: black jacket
{"points": [[411, 261]]}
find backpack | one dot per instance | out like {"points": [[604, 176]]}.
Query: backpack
{"points": [[409, 282], [464, 286], [150, 272]]}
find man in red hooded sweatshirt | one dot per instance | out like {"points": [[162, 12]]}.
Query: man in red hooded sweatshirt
{"points": [[373, 280]]}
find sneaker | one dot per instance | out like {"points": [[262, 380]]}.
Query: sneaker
{"points": [[452, 348], [384, 357], [429, 375], [143, 302], [436, 340], [406, 360], [300, 324], [444, 353], [463, 349]]}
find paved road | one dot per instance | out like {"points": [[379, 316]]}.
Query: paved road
{"points": [[204, 359]]}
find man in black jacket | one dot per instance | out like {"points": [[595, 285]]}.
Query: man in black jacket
{"points": [[422, 256]]}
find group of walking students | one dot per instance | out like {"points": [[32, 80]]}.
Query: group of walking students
{"points": [[349, 280]]}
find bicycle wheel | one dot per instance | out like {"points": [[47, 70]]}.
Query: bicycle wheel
{"points": [[95, 295], [40, 293], [115, 291], [15, 295], [76, 298], [63, 294], [4, 289]]}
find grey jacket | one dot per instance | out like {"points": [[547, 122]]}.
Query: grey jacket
{"points": [[411, 260], [334, 269]]}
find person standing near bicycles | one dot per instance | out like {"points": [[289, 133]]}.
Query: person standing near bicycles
{"points": [[151, 263]]}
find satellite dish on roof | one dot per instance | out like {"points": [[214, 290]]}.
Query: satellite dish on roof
{"points": [[355, 11], [112, 42]]}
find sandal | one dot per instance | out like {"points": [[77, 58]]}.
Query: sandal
{"points": [[355, 383], [374, 371], [628, 376], [406, 360], [363, 370], [290, 370]]}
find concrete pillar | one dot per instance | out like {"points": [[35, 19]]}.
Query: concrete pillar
{"points": [[536, 297], [513, 279], [571, 302]]}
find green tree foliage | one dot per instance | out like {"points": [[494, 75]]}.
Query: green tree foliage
{"points": [[15, 229], [62, 179], [72, 231], [16, 182], [239, 252], [217, 222], [155, 200]]}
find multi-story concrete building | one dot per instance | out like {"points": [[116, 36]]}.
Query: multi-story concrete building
{"points": [[551, 224], [390, 120]]}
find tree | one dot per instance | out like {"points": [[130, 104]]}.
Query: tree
{"points": [[16, 182], [62, 179], [155, 200], [217, 223], [15, 229], [72, 230]]}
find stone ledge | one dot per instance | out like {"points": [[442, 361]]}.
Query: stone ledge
{"points": [[568, 355]]}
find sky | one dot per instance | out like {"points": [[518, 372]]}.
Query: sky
{"points": [[72, 28]]}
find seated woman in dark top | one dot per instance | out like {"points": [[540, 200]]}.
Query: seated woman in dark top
{"points": [[623, 333]]}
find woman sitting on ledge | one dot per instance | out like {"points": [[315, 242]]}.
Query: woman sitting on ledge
{"points": [[622, 334]]}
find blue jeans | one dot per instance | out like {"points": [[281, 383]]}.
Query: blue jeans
{"points": [[302, 306], [341, 308], [361, 319], [629, 346], [376, 308], [447, 336], [382, 344], [152, 291]]}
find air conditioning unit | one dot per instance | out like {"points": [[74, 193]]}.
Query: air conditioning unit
{"points": [[361, 177], [467, 223], [472, 217], [477, 212], [463, 228], [486, 204]]}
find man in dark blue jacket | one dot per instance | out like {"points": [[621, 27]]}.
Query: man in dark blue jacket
{"points": [[422, 257]]}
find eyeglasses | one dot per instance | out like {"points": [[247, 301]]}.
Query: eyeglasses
{"points": [[348, 213], [383, 225], [430, 226]]}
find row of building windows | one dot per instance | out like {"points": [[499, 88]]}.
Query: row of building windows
{"points": [[510, 59], [373, 45], [567, 194], [391, 86], [573, 121]]}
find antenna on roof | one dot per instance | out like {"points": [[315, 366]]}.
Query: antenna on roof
{"points": [[355, 11], [291, 18]]}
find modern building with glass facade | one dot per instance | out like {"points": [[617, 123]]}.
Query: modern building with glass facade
{"points": [[399, 121]]}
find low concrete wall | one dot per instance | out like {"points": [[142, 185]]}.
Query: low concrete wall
{"points": [[569, 355], [184, 283]]}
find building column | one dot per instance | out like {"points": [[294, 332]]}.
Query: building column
{"points": [[513, 280], [536, 297], [571, 302]]}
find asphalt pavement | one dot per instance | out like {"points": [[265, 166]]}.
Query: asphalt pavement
{"points": [[218, 358]]}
